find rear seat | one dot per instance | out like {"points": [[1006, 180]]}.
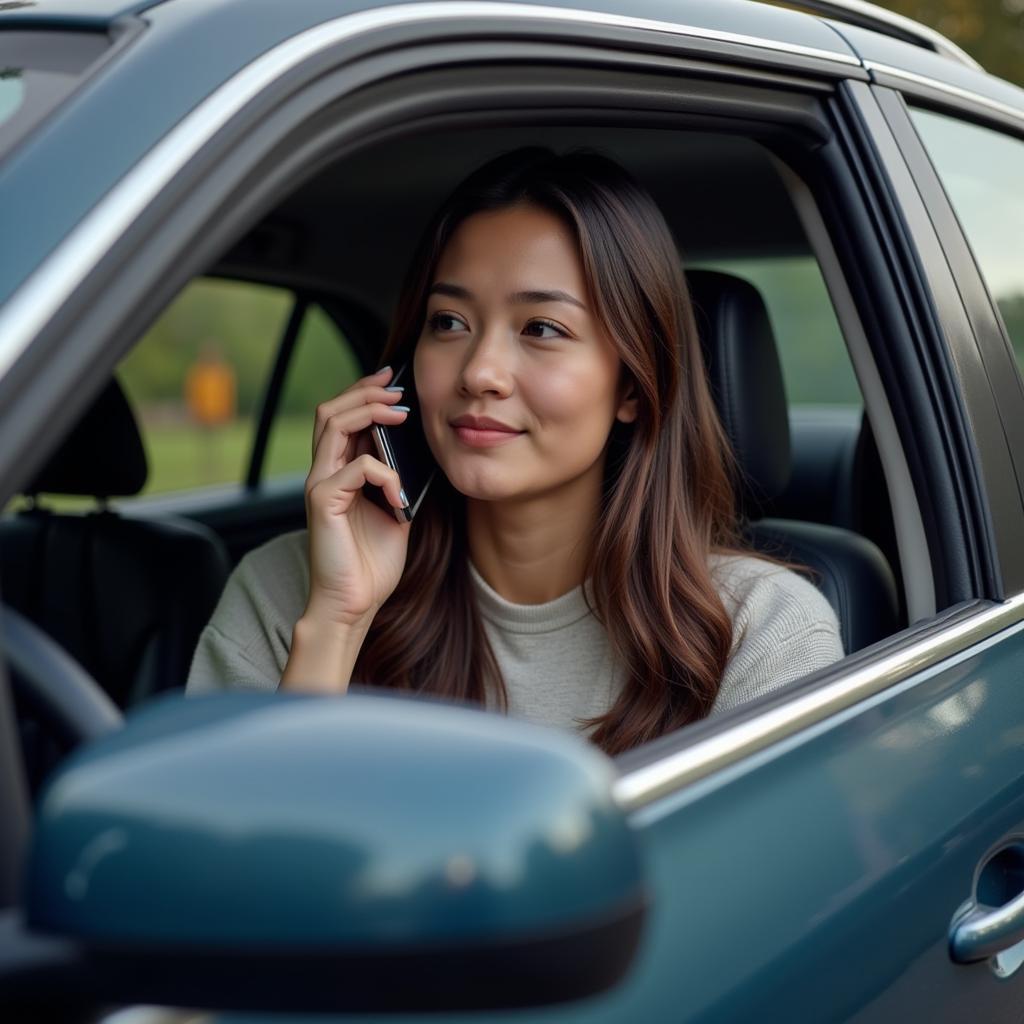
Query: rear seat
{"points": [[127, 598]]}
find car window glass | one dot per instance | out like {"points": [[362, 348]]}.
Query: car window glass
{"points": [[322, 365], [983, 173], [37, 70], [196, 379], [816, 366]]}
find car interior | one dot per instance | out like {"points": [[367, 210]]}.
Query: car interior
{"points": [[126, 586]]}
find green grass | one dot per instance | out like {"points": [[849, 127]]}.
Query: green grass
{"points": [[187, 456]]}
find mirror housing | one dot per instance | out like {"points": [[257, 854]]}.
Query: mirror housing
{"points": [[365, 853]]}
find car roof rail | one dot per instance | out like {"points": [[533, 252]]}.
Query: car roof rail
{"points": [[878, 19]]}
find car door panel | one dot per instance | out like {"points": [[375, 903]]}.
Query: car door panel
{"points": [[829, 869], [817, 880]]}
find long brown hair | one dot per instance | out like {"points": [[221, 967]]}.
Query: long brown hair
{"points": [[668, 498]]}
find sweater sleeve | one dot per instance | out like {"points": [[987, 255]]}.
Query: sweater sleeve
{"points": [[246, 643], [221, 663], [783, 628]]}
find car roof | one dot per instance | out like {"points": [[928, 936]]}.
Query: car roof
{"points": [[743, 17], [757, 19]]}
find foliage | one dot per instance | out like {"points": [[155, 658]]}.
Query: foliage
{"points": [[991, 31]]}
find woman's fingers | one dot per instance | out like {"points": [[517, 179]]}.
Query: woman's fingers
{"points": [[351, 399], [335, 493], [369, 389], [338, 431]]}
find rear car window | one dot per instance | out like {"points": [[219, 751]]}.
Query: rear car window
{"points": [[196, 381], [38, 69], [322, 366], [982, 171]]}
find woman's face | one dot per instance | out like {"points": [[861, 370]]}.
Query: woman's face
{"points": [[510, 336]]}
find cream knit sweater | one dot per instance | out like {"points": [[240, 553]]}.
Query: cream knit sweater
{"points": [[554, 657]]}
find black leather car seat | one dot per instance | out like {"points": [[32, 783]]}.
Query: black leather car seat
{"points": [[746, 381], [126, 597]]}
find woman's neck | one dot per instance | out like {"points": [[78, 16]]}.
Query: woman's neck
{"points": [[535, 549]]}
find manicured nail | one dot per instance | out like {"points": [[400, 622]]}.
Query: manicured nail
{"points": [[405, 500], [377, 373], [401, 408], [395, 387]]}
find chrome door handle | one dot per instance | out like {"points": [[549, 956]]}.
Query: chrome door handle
{"points": [[985, 931]]}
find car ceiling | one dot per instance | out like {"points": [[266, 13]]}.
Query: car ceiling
{"points": [[352, 228]]}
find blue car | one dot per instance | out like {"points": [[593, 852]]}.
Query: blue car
{"points": [[228, 191]]}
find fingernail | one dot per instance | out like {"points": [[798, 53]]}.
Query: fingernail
{"points": [[377, 373], [395, 387], [401, 408], [405, 500]]}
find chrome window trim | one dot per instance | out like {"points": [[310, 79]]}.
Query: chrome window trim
{"points": [[643, 786], [1016, 113], [38, 299]]}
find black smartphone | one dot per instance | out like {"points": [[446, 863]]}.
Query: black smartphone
{"points": [[404, 448]]}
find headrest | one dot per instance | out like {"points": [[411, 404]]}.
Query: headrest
{"points": [[746, 382], [102, 457]]}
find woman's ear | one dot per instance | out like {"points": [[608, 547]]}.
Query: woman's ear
{"points": [[627, 410]]}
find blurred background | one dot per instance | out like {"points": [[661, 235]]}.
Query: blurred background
{"points": [[991, 31]]}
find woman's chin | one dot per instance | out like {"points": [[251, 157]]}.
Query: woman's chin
{"points": [[483, 486]]}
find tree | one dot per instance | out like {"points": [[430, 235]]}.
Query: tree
{"points": [[991, 31]]}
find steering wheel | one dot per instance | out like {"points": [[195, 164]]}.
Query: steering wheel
{"points": [[54, 687]]}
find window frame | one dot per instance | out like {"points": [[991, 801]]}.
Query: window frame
{"points": [[238, 174]]}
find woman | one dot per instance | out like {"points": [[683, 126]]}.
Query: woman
{"points": [[576, 559]]}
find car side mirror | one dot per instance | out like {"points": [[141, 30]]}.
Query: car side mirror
{"points": [[366, 853]]}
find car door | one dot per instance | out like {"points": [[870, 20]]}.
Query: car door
{"points": [[806, 856]]}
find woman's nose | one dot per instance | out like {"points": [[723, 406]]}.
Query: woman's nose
{"points": [[487, 369]]}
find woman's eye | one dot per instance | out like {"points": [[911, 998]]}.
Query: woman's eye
{"points": [[445, 322], [535, 328]]}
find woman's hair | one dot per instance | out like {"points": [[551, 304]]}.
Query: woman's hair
{"points": [[668, 498]]}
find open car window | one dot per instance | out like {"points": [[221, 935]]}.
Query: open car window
{"points": [[199, 377]]}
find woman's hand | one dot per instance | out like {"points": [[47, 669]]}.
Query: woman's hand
{"points": [[356, 550]]}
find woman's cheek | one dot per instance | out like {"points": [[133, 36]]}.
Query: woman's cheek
{"points": [[571, 402]]}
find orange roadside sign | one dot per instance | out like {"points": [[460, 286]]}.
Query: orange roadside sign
{"points": [[210, 392]]}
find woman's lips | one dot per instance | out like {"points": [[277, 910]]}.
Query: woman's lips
{"points": [[477, 437]]}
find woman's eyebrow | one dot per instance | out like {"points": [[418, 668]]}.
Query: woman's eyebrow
{"points": [[545, 296], [458, 292]]}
